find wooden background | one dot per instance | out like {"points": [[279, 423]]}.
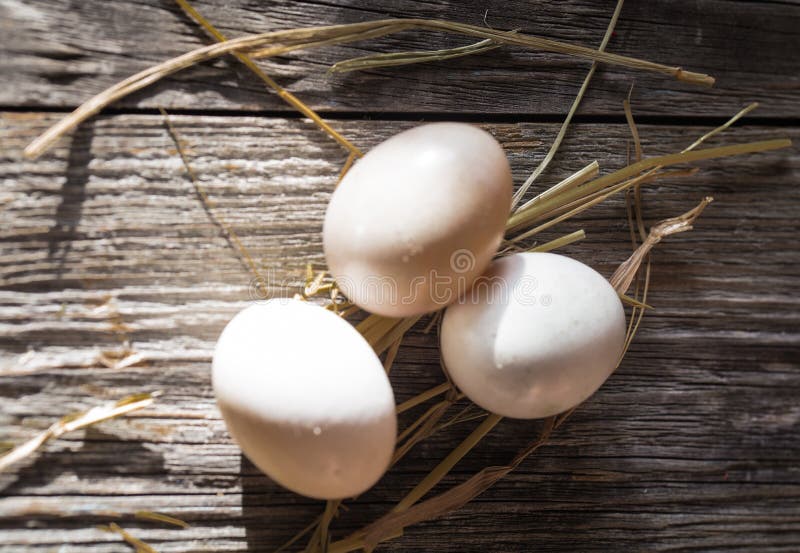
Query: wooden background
{"points": [[693, 445]]}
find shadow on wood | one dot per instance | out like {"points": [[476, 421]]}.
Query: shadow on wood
{"points": [[73, 194]]}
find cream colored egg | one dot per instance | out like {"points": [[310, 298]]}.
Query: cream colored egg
{"points": [[418, 218], [537, 334], [306, 398]]}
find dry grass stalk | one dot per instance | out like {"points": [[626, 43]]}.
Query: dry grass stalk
{"points": [[637, 313], [319, 539], [626, 106], [393, 523], [407, 58], [136, 543], [297, 537], [722, 127], [423, 427], [391, 354], [227, 229], [423, 397], [285, 95], [623, 277], [637, 143], [76, 421], [346, 167], [444, 467], [446, 403], [469, 413], [633, 302], [375, 328], [573, 181], [562, 132], [295, 39], [396, 333], [560, 242], [161, 517]]}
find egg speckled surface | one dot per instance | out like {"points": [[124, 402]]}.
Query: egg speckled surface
{"points": [[537, 335], [306, 398], [418, 218]]}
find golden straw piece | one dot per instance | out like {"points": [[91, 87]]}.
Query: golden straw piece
{"points": [[76, 421], [447, 463], [395, 59], [423, 397], [161, 517], [573, 181], [136, 543], [560, 242], [285, 95], [623, 276], [230, 233], [637, 144], [393, 523]]}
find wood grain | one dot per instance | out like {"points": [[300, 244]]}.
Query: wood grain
{"points": [[691, 446], [58, 54]]}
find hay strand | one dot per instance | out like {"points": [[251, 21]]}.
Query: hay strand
{"points": [[77, 421], [560, 242], [573, 181], [623, 276], [447, 463], [415, 56], [228, 231], [161, 517], [456, 497], [284, 94], [136, 543]]}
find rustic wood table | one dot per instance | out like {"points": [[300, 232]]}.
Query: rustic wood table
{"points": [[693, 445]]}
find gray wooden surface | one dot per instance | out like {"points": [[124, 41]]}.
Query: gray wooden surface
{"points": [[693, 445]]}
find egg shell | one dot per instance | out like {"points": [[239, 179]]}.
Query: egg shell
{"points": [[306, 398], [537, 335], [418, 218]]}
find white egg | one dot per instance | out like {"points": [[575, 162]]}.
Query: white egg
{"points": [[418, 218], [306, 398], [537, 334]]}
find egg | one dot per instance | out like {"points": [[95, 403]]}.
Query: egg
{"points": [[536, 336], [418, 219], [306, 398]]}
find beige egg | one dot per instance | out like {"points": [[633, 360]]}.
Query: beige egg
{"points": [[418, 218], [306, 398], [537, 335]]}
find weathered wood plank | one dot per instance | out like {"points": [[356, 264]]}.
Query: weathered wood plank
{"points": [[692, 445], [58, 54]]}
